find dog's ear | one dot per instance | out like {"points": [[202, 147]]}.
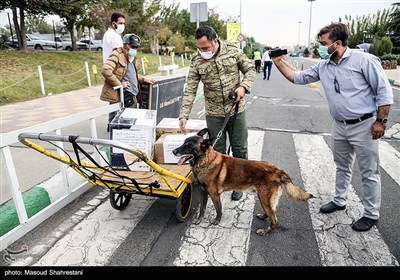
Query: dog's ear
{"points": [[206, 143], [202, 132]]}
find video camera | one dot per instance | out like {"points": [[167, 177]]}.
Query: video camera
{"points": [[277, 52]]}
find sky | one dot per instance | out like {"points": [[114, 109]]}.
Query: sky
{"points": [[276, 22]]}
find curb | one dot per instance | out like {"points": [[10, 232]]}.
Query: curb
{"points": [[394, 82], [39, 197], [34, 199]]}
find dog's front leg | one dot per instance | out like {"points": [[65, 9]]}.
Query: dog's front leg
{"points": [[216, 199], [203, 204]]}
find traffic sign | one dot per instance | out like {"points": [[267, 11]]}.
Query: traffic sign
{"points": [[240, 37]]}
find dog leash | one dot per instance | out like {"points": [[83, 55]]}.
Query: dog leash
{"points": [[227, 117]]}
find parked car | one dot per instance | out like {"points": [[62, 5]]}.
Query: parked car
{"points": [[63, 42], [34, 42], [66, 43], [94, 45]]}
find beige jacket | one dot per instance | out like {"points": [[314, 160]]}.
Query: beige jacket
{"points": [[114, 69]]}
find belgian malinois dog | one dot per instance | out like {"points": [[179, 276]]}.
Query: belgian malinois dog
{"points": [[216, 173]]}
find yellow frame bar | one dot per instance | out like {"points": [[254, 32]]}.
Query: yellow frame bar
{"points": [[165, 174]]}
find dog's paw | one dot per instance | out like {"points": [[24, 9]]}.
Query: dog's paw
{"points": [[263, 231], [197, 221], [215, 222], [262, 216]]}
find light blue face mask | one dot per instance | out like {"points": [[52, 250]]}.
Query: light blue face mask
{"points": [[323, 51], [132, 53]]}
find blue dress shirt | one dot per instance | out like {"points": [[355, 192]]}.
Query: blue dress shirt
{"points": [[357, 85]]}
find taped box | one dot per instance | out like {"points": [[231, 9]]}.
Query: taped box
{"points": [[171, 125], [135, 127], [165, 144]]}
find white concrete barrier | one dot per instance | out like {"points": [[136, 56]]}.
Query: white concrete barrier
{"points": [[168, 69]]}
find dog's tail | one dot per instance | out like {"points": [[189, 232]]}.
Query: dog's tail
{"points": [[293, 191]]}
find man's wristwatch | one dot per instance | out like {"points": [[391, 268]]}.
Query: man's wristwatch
{"points": [[382, 121]]}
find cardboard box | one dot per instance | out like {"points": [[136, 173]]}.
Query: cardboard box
{"points": [[135, 127], [164, 146], [171, 125]]}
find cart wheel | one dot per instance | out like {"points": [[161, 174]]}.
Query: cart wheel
{"points": [[184, 204], [119, 200]]}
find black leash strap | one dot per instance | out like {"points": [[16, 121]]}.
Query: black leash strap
{"points": [[227, 116], [78, 149], [233, 126]]}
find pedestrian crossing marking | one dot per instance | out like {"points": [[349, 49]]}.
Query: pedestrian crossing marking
{"points": [[226, 243], [338, 243], [93, 240]]}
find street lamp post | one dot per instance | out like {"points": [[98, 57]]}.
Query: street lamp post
{"points": [[298, 41], [309, 28], [157, 46], [241, 46]]}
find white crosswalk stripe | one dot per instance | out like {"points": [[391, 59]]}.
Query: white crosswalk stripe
{"points": [[226, 243], [390, 160], [339, 245], [93, 240]]}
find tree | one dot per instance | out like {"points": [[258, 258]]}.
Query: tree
{"points": [[37, 23], [382, 46], [139, 14], [394, 28], [71, 11], [178, 41], [19, 10], [306, 52], [175, 20], [364, 29]]}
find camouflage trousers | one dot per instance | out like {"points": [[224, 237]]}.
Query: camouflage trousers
{"points": [[237, 139]]}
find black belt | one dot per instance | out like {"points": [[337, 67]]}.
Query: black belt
{"points": [[360, 119]]}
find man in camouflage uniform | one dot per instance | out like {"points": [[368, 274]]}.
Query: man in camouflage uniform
{"points": [[218, 65]]}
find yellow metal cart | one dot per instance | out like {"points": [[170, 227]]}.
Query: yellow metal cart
{"points": [[165, 181]]}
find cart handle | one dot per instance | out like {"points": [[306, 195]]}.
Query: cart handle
{"points": [[96, 141]]}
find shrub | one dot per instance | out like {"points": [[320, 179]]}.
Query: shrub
{"points": [[3, 42], [306, 52], [381, 47]]}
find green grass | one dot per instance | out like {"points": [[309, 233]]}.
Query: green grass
{"points": [[62, 72]]}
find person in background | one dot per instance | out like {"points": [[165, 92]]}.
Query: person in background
{"points": [[257, 60], [359, 97], [267, 63], [120, 69], [219, 65], [112, 37]]}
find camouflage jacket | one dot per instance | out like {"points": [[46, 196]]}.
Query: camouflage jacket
{"points": [[220, 75]]}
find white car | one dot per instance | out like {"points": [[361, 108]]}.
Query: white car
{"points": [[95, 45], [65, 43], [34, 42]]}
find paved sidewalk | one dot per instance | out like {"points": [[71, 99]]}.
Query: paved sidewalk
{"points": [[28, 113], [394, 76]]}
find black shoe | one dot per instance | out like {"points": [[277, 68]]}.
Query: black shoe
{"points": [[364, 224], [264, 78], [331, 207], [236, 195]]}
